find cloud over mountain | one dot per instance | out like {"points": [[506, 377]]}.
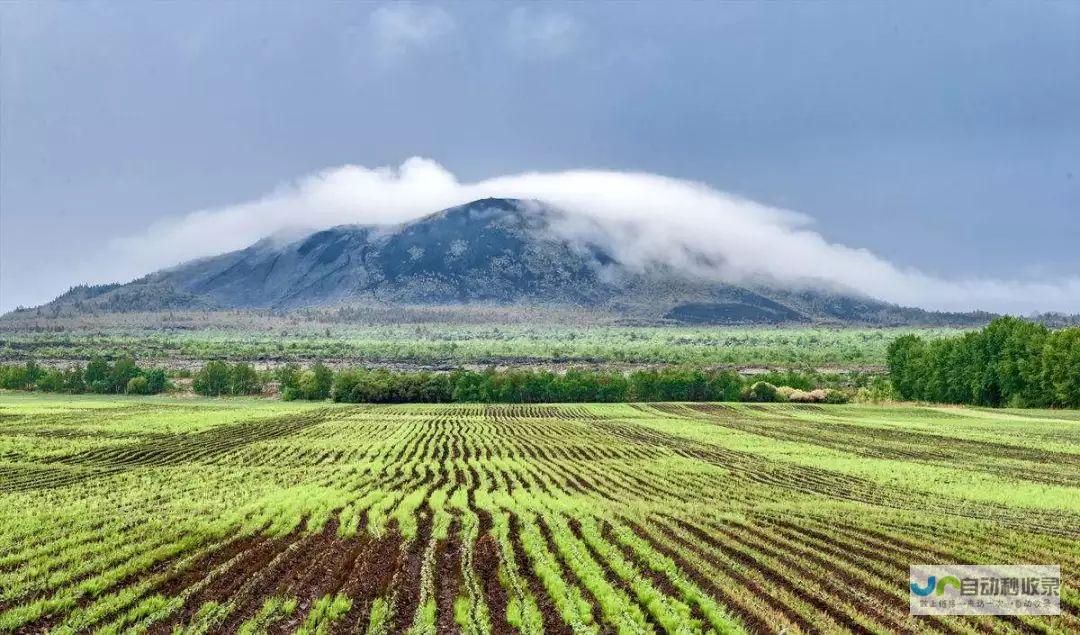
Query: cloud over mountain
{"points": [[640, 218]]}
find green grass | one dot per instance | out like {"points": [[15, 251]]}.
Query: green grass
{"points": [[247, 515]]}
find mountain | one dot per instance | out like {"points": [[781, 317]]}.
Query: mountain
{"points": [[491, 251]]}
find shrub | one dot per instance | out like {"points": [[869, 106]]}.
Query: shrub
{"points": [[73, 381], [51, 381], [834, 396], [763, 392], [213, 380], [97, 371], [122, 372], [288, 377], [243, 380], [20, 377], [802, 381], [138, 386], [316, 383], [156, 381], [804, 396]]}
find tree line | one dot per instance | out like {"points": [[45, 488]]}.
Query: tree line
{"points": [[123, 376], [1010, 362], [357, 385], [529, 386]]}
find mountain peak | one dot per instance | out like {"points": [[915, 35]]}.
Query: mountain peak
{"points": [[486, 209]]}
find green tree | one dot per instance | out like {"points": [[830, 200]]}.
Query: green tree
{"points": [[762, 391], [138, 386], [903, 356], [156, 381], [97, 375], [1061, 367], [1010, 362], [213, 380], [51, 381], [123, 371], [468, 386], [319, 389], [288, 377], [243, 380], [20, 377], [74, 382]]}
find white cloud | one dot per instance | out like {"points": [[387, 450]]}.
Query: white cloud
{"points": [[642, 218], [541, 35], [402, 27]]}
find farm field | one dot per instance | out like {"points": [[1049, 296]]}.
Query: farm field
{"points": [[192, 515]]}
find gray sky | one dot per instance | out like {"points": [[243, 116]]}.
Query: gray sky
{"points": [[940, 136]]}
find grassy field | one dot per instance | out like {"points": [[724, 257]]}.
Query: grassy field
{"points": [[167, 515], [445, 345]]}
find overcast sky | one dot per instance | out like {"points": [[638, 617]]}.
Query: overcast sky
{"points": [[943, 137]]}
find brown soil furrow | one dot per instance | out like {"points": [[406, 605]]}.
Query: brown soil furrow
{"points": [[755, 621], [658, 581], [448, 582], [486, 565], [224, 586], [406, 582], [854, 590], [775, 577], [612, 578], [370, 578]]}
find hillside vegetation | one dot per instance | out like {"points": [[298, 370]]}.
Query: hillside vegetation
{"points": [[445, 346]]}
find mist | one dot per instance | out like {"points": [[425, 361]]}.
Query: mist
{"points": [[643, 219]]}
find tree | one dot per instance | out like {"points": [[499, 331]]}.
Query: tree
{"points": [[213, 380], [435, 389], [1010, 362], [1061, 367], [51, 381], [316, 383], [324, 382], [289, 382], [468, 386], [724, 386], [97, 371], [123, 371], [137, 386], [20, 377], [156, 381], [902, 357], [243, 380], [643, 386], [74, 382], [344, 384]]}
